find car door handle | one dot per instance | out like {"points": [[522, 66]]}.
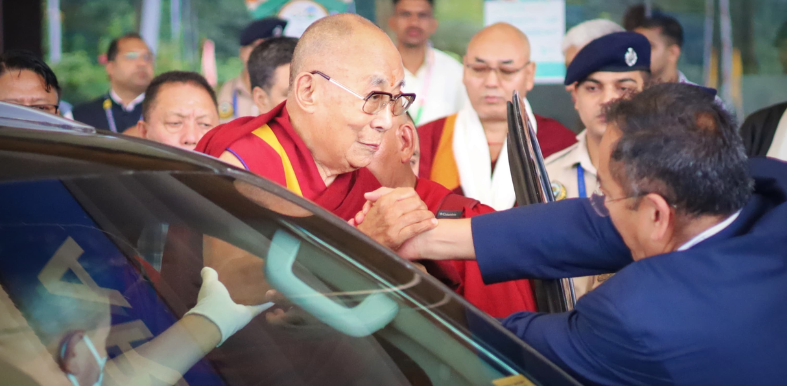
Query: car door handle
{"points": [[372, 314]]}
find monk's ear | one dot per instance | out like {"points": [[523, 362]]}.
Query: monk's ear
{"points": [[406, 137], [304, 92], [531, 76]]}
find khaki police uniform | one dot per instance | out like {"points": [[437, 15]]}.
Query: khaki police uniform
{"points": [[235, 101], [563, 170]]}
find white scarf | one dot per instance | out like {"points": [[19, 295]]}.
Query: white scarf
{"points": [[474, 162], [778, 147]]}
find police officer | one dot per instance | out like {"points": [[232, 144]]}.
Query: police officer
{"points": [[604, 70], [130, 70], [235, 98]]}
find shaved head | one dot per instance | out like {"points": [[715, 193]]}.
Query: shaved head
{"points": [[329, 38], [359, 58], [496, 64], [502, 33]]}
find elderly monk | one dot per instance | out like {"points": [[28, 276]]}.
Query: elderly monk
{"points": [[392, 167], [345, 82], [497, 64]]}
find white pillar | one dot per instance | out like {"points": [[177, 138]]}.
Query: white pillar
{"points": [[55, 31], [150, 23]]}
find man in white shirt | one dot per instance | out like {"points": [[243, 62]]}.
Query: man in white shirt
{"points": [[429, 73]]}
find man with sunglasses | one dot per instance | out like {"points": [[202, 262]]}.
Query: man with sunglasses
{"points": [[696, 233], [466, 152], [130, 70], [26, 80], [346, 77]]}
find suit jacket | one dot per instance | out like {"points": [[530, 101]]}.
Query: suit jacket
{"points": [[93, 114], [711, 315]]}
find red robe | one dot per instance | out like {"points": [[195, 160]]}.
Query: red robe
{"points": [[283, 158], [499, 300], [437, 138]]}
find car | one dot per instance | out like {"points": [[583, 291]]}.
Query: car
{"points": [[106, 235]]}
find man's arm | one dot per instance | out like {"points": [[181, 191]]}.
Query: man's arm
{"points": [[593, 343], [556, 240]]}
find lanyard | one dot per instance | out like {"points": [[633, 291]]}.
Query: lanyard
{"points": [[425, 88], [110, 116], [235, 103], [581, 181]]}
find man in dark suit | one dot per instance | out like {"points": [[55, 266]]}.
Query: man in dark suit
{"points": [[130, 70], [697, 236]]}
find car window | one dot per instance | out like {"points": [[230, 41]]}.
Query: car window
{"points": [[117, 258]]}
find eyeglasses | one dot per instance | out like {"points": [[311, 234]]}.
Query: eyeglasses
{"points": [[598, 201], [51, 109], [480, 70], [132, 55], [377, 100]]}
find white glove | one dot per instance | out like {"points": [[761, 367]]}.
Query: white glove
{"points": [[214, 303]]}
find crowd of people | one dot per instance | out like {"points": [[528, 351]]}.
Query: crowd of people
{"points": [[408, 144]]}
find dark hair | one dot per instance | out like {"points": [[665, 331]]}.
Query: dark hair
{"points": [[431, 2], [186, 77], [669, 27], [26, 60], [678, 142], [267, 57], [112, 52], [634, 17]]}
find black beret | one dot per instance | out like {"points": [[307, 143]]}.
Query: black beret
{"points": [[616, 52], [269, 27]]}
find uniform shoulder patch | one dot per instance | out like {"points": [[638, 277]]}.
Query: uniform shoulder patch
{"points": [[225, 110]]}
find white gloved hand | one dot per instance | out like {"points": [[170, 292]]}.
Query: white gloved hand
{"points": [[214, 302]]}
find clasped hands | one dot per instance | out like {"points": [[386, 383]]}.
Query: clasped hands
{"points": [[393, 217]]}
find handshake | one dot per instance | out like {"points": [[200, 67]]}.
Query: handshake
{"points": [[395, 218]]}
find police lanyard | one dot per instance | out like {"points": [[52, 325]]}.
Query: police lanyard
{"points": [[581, 181], [425, 88], [111, 116]]}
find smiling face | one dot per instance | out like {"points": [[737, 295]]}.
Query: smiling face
{"points": [[330, 119], [496, 64], [181, 114], [598, 89]]}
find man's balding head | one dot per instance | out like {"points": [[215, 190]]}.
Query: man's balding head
{"points": [[359, 56], [496, 64]]}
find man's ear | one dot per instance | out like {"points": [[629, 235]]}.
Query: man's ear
{"points": [[674, 53], [110, 69], [261, 99], [531, 76], [142, 129], [406, 139], [660, 216], [304, 92], [391, 21]]}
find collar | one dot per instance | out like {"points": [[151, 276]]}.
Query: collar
{"points": [[130, 107], [708, 233], [682, 78], [580, 155]]}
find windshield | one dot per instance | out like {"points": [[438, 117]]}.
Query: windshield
{"points": [[118, 258]]}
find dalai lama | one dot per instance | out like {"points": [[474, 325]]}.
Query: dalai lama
{"points": [[391, 166], [345, 89], [466, 152]]}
